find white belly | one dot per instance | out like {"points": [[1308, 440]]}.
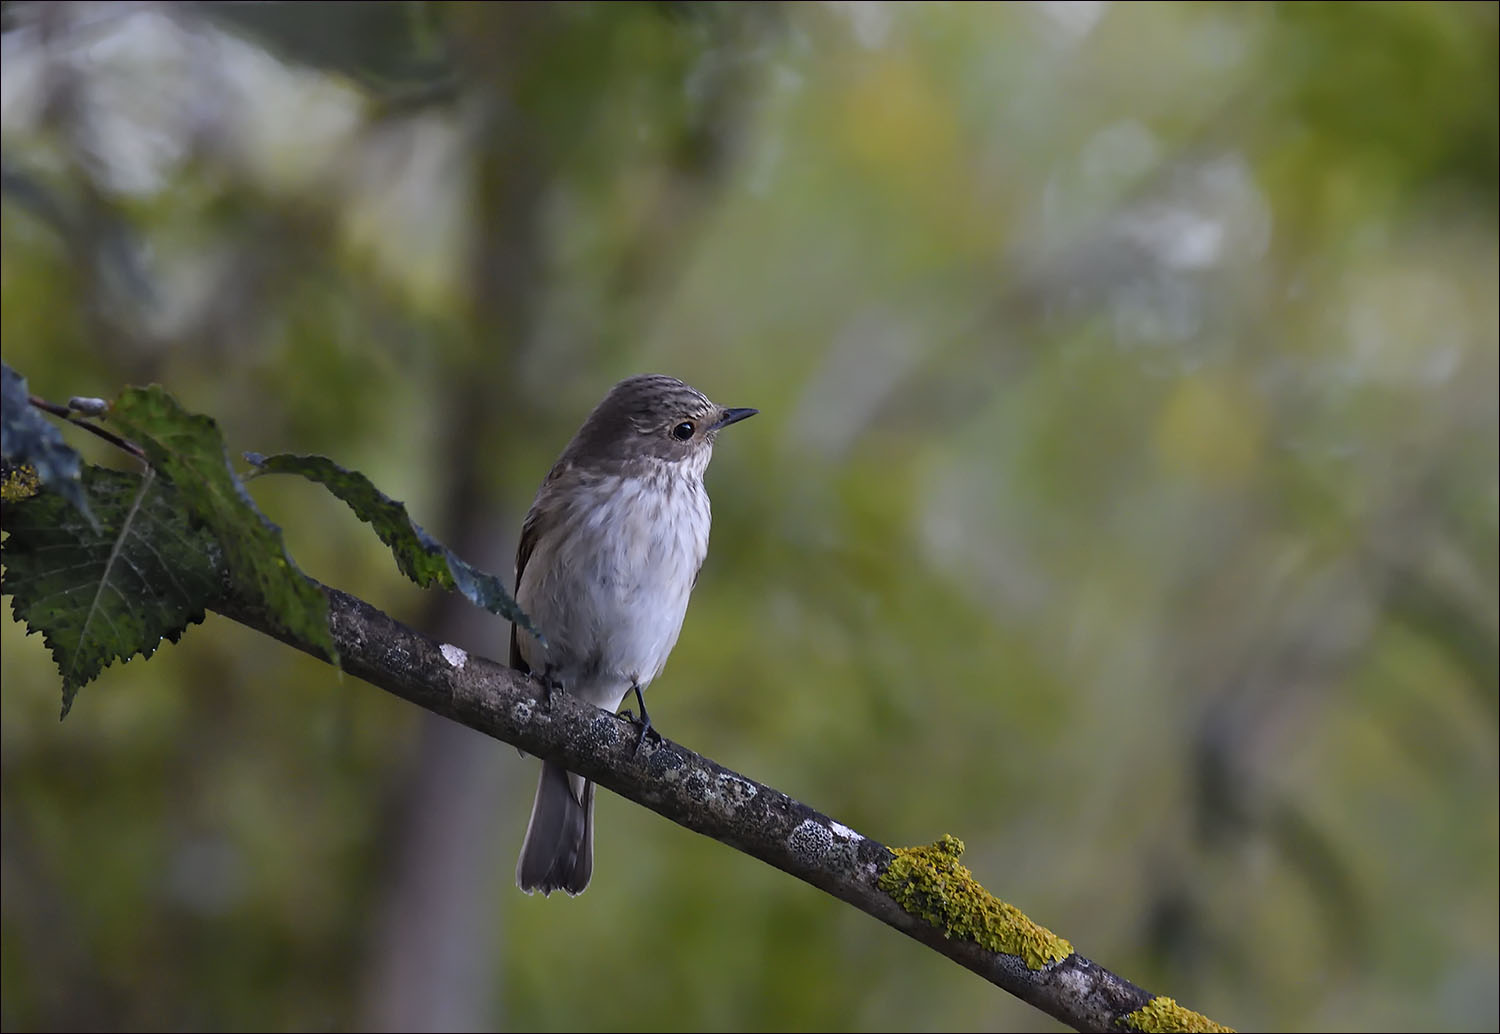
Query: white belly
{"points": [[609, 585]]}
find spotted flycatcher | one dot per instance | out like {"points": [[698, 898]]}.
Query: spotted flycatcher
{"points": [[609, 554]]}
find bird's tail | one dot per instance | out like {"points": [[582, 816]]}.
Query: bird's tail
{"points": [[558, 853]]}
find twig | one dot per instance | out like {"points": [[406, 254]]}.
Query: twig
{"points": [[56, 409]]}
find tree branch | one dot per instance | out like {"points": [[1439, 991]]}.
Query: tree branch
{"points": [[705, 797]]}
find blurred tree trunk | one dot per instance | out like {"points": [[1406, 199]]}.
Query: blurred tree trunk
{"points": [[434, 964]]}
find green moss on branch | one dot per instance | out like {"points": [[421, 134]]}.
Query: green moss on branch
{"points": [[929, 882]]}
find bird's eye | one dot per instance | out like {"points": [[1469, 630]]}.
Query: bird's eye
{"points": [[683, 431]]}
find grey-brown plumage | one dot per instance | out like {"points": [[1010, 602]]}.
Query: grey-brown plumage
{"points": [[609, 554]]}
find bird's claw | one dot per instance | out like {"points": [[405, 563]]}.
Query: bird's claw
{"points": [[647, 729], [550, 684]]}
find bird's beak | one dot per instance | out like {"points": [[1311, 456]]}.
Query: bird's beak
{"points": [[732, 416]]}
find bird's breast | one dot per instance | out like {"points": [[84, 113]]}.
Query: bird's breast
{"points": [[609, 583]]}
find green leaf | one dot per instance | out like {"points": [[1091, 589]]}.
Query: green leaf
{"points": [[189, 449], [27, 437], [108, 591], [419, 556]]}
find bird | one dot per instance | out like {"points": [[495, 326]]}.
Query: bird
{"points": [[609, 553]]}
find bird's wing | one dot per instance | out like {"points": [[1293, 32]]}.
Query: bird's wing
{"points": [[530, 529], [523, 553]]}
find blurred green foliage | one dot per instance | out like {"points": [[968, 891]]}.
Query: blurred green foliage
{"points": [[1124, 499]]}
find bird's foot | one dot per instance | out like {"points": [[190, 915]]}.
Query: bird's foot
{"points": [[647, 729], [550, 684]]}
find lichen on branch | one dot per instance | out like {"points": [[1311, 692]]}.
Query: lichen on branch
{"points": [[930, 882]]}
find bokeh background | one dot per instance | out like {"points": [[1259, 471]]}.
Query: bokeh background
{"points": [[1123, 499]]}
